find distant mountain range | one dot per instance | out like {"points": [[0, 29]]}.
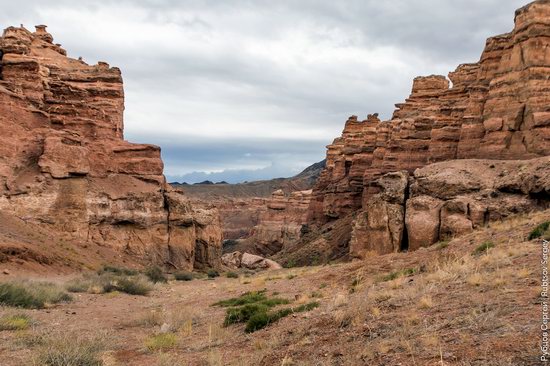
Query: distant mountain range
{"points": [[261, 188]]}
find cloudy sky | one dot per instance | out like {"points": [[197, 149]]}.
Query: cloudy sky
{"points": [[240, 90]]}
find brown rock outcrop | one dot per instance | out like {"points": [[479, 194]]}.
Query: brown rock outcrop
{"points": [[380, 225], [497, 108], [64, 163], [237, 260], [447, 199], [452, 198], [281, 223]]}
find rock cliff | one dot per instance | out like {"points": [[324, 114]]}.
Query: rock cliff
{"points": [[64, 162], [281, 223], [497, 109]]}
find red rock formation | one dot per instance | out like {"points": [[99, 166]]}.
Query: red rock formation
{"points": [[447, 199], [497, 108], [64, 163], [281, 223]]}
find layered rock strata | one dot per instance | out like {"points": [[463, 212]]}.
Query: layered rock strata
{"points": [[281, 223], [496, 108], [64, 162]]}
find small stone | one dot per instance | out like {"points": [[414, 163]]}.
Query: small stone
{"points": [[165, 328]]}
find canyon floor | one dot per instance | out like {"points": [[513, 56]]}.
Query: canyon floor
{"points": [[455, 303]]}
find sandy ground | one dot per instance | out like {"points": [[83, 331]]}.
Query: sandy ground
{"points": [[456, 309]]}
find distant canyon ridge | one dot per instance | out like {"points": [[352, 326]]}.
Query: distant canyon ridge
{"points": [[460, 152]]}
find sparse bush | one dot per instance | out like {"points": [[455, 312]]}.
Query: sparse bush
{"points": [[290, 264], [155, 274], [183, 276], [291, 276], [151, 319], [15, 322], [539, 231], [31, 295], [306, 307], [396, 274], [426, 302], [212, 273], [443, 244], [484, 247], [78, 285], [232, 275], [118, 270], [161, 342], [132, 286], [70, 350], [111, 282]]}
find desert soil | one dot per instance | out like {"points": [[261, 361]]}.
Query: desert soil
{"points": [[455, 309]]}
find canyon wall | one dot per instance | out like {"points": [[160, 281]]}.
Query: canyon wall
{"points": [[280, 224], [497, 109], [64, 162]]}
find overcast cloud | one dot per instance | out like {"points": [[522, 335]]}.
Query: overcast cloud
{"points": [[256, 89]]}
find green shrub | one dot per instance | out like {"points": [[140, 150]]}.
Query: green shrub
{"points": [[161, 342], [15, 322], [484, 247], [155, 274], [232, 275], [254, 309], [183, 276], [291, 276], [290, 264], [212, 273], [274, 302], [443, 244], [402, 273], [32, 295], [539, 231], [261, 320], [243, 313], [118, 270], [306, 307], [70, 350], [246, 298]]}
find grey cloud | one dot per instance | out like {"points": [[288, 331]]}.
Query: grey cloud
{"points": [[211, 81]]}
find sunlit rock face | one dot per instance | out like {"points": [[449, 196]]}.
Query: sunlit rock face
{"points": [[64, 162], [497, 108]]}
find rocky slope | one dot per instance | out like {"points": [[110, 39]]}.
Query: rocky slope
{"points": [[64, 162], [497, 109]]}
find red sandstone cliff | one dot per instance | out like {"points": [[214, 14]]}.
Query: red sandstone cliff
{"points": [[497, 108], [64, 162]]}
